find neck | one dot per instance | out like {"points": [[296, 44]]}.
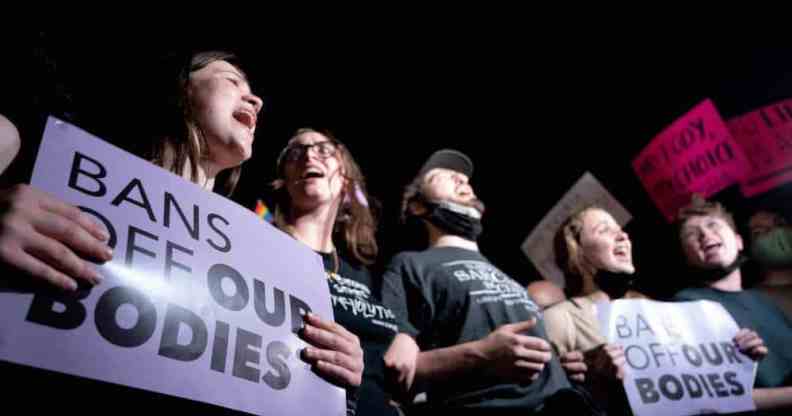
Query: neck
{"points": [[438, 238], [598, 296], [591, 289], [207, 171], [313, 227], [731, 283]]}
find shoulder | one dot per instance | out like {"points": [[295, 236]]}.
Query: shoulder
{"points": [[570, 310], [693, 293], [419, 258], [355, 270], [762, 299], [404, 257], [9, 142], [559, 326], [558, 312]]}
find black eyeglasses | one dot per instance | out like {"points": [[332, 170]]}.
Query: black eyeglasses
{"points": [[324, 150]]}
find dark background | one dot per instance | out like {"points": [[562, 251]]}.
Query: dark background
{"points": [[533, 117]]}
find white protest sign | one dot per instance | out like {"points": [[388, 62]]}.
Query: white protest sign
{"points": [[680, 358], [538, 246], [201, 299]]}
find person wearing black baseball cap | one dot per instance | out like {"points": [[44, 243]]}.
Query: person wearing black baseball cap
{"points": [[448, 203], [474, 340]]}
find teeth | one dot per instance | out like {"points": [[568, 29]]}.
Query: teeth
{"points": [[711, 247]]}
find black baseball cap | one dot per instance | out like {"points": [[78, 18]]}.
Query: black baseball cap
{"points": [[448, 159]]}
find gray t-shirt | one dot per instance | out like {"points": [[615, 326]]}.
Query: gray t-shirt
{"points": [[756, 311], [451, 296]]}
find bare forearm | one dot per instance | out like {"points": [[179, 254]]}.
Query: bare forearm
{"points": [[444, 363], [9, 143], [773, 398], [505, 353]]}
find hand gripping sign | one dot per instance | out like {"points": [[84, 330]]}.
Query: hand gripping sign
{"points": [[680, 357]]}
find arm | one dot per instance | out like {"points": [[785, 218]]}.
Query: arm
{"points": [[401, 359], [505, 353], [773, 398], [560, 329], [41, 236], [9, 143]]}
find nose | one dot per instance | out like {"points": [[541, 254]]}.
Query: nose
{"points": [[703, 236], [460, 179], [255, 101], [622, 236]]}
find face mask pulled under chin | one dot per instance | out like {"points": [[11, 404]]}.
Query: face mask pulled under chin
{"points": [[615, 284], [774, 249], [454, 219], [706, 276]]}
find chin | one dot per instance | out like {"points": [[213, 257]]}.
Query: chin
{"points": [[621, 269]]}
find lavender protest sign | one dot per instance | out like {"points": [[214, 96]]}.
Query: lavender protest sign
{"points": [[681, 358], [201, 300]]}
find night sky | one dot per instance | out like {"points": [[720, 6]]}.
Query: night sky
{"points": [[533, 117]]}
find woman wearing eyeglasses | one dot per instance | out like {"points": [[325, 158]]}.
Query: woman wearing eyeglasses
{"points": [[321, 200]]}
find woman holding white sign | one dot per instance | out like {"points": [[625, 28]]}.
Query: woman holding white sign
{"points": [[321, 200], [204, 138], [596, 257]]}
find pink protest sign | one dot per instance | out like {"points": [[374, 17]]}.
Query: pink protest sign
{"points": [[695, 154], [765, 135]]}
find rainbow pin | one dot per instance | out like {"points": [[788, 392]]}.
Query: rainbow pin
{"points": [[263, 212]]}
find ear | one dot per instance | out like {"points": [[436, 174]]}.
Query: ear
{"points": [[416, 208], [740, 243], [347, 190]]}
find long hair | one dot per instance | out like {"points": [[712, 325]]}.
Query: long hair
{"points": [[355, 223], [569, 253], [181, 145]]}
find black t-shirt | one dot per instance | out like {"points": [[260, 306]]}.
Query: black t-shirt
{"points": [[451, 296], [754, 310], [357, 309]]}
